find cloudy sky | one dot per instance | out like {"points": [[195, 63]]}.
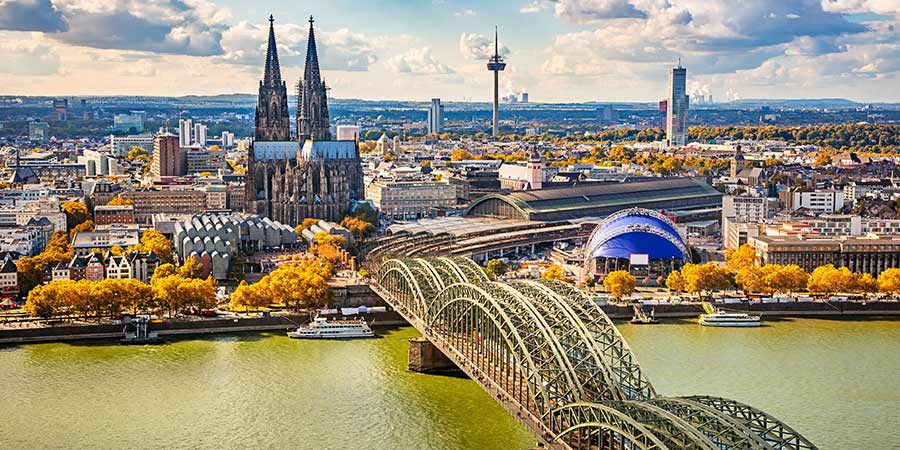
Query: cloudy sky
{"points": [[557, 50]]}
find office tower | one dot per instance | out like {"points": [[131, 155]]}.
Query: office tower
{"points": [[436, 116], [496, 65], [678, 104], [524, 97], [200, 134], [184, 132], [227, 139], [128, 123], [38, 131], [348, 133], [168, 157], [663, 113]]}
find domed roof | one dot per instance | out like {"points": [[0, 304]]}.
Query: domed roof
{"points": [[636, 231]]}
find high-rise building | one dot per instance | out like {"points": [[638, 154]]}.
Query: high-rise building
{"points": [[524, 97], [663, 113], [678, 105], [199, 134], [436, 116], [348, 133], [128, 123], [496, 65], [168, 156], [121, 145], [227, 139], [184, 132], [38, 131]]}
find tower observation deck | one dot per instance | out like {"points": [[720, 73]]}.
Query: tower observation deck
{"points": [[496, 65]]}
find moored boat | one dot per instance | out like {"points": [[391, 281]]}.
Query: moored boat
{"points": [[724, 319], [322, 328]]}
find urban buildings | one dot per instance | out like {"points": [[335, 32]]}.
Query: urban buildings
{"points": [[677, 108], [104, 239], [199, 135], [409, 198], [185, 130], [348, 133], [168, 157], [177, 200], [113, 214], [227, 139], [865, 254], [121, 145], [198, 160], [38, 131], [312, 176], [436, 116], [129, 123], [522, 176]]}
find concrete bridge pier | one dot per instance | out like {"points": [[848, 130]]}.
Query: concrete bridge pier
{"points": [[424, 357]]}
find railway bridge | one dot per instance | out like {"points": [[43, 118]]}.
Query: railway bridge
{"points": [[551, 357]]}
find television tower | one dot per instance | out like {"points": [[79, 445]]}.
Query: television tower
{"points": [[496, 65]]}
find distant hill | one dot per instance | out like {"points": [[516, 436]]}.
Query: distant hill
{"points": [[799, 103]]}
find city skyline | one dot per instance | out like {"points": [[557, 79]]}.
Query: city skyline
{"points": [[557, 51]]}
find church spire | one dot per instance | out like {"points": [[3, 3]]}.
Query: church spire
{"points": [[272, 77], [312, 56], [273, 122], [312, 99]]}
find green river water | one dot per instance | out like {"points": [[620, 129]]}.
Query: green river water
{"points": [[836, 381]]}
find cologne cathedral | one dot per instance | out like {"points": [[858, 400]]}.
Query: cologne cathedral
{"points": [[311, 175]]}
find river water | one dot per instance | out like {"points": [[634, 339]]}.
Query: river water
{"points": [[838, 382]]}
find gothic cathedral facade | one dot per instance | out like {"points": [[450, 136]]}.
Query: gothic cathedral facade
{"points": [[312, 176]]}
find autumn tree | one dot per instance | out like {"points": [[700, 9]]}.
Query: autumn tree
{"points": [[82, 227], [162, 271], [675, 282], [76, 213], [305, 225], [358, 227], [120, 201], [190, 269], [737, 259], [619, 283], [247, 296], [460, 155], [889, 281], [829, 279], [705, 278], [154, 241], [496, 268], [555, 272]]}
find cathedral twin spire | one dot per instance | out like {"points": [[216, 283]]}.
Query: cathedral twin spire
{"points": [[272, 117]]}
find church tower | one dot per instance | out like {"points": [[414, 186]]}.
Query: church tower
{"points": [[273, 122], [312, 99]]}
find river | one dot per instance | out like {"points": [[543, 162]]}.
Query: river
{"points": [[836, 381]]}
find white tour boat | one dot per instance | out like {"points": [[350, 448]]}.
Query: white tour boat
{"points": [[723, 319], [321, 328]]}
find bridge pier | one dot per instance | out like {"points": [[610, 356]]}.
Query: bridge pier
{"points": [[424, 357]]}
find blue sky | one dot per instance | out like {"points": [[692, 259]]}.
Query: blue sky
{"points": [[557, 50]]}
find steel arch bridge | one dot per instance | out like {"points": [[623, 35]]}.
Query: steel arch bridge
{"points": [[550, 356]]}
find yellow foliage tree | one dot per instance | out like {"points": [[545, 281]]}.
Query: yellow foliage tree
{"points": [[154, 241], [119, 201], [76, 213], [460, 155], [555, 272], [889, 281], [740, 258], [619, 283], [704, 278], [675, 282]]}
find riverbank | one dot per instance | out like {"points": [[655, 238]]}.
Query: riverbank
{"points": [[795, 309], [11, 336]]}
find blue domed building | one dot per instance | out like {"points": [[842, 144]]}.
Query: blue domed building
{"points": [[640, 240]]}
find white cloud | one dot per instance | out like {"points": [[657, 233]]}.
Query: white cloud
{"points": [[479, 47], [465, 13], [245, 43], [418, 61], [28, 57]]}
